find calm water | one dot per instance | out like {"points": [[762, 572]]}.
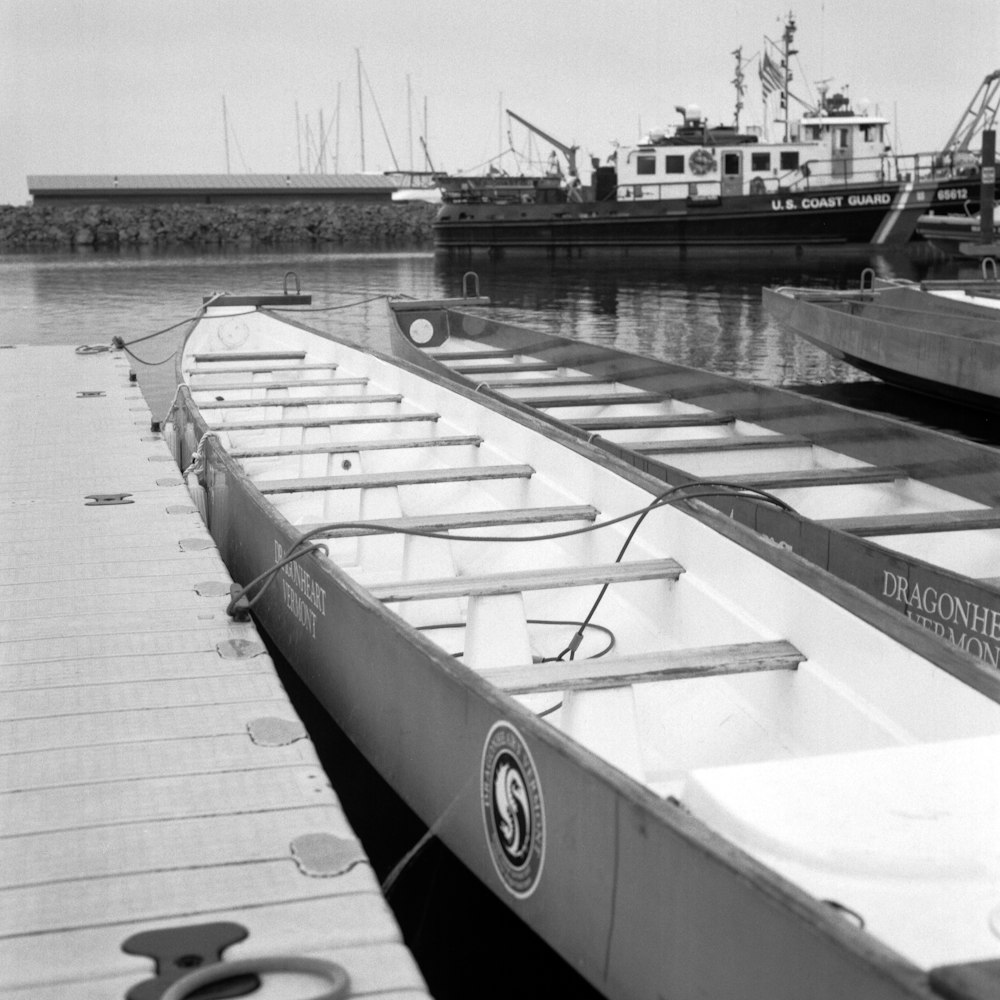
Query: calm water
{"points": [[702, 313], [706, 313]]}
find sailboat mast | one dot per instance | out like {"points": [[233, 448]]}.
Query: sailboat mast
{"points": [[225, 129], [409, 117], [321, 164], [298, 136], [361, 112]]}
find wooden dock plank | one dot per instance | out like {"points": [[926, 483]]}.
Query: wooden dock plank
{"points": [[149, 774]]}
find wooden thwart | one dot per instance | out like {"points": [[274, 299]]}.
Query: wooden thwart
{"points": [[288, 401], [643, 668], [449, 356], [898, 524], [818, 477], [315, 383], [372, 418], [468, 519], [379, 480], [534, 579], [371, 444], [660, 420], [243, 370], [504, 369], [251, 356], [549, 383], [737, 443], [593, 399]]}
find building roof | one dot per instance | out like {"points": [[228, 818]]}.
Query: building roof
{"points": [[50, 183]]}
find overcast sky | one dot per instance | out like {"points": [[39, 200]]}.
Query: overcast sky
{"points": [[137, 86]]}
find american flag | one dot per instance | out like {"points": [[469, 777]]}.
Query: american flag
{"points": [[770, 76]]}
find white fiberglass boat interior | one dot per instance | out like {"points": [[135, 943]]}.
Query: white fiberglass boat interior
{"points": [[809, 738], [822, 485]]}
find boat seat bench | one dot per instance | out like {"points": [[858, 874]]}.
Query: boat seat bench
{"points": [[503, 368], [931, 521], [372, 418], [380, 480], [449, 356], [349, 447], [644, 668], [818, 477], [314, 383], [550, 383], [493, 584], [592, 399], [251, 356], [326, 366], [470, 519], [742, 442], [263, 402], [659, 420]]}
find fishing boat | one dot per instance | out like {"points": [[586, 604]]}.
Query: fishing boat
{"points": [[937, 337], [831, 179], [908, 514], [694, 763]]}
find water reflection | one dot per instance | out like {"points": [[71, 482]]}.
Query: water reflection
{"points": [[704, 311]]}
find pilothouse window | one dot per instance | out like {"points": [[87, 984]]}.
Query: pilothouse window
{"points": [[645, 164], [760, 161], [675, 164], [731, 163], [790, 160]]}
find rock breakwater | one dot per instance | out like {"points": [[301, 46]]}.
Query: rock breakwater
{"points": [[116, 226]]}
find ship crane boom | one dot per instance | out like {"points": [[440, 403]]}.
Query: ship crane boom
{"points": [[981, 114], [568, 151]]}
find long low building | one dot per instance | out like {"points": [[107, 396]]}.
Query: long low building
{"points": [[209, 189]]}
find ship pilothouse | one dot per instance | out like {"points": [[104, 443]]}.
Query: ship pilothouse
{"points": [[829, 146]]}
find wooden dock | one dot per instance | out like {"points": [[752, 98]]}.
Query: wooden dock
{"points": [[153, 774]]}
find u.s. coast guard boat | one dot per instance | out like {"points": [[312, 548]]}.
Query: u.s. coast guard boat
{"points": [[830, 179]]}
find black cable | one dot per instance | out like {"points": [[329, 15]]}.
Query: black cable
{"points": [[612, 640]]}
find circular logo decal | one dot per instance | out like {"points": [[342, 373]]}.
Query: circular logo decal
{"points": [[513, 812], [421, 331], [233, 333]]}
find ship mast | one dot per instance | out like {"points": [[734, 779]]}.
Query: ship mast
{"points": [[738, 84], [786, 64]]}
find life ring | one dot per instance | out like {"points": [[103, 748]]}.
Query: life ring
{"points": [[701, 161]]}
